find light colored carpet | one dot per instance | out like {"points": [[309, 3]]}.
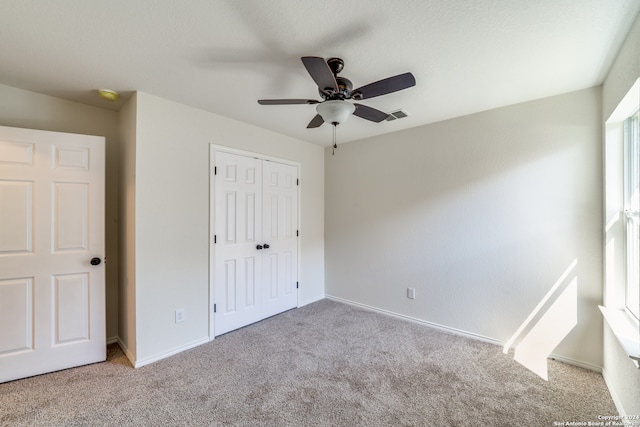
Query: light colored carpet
{"points": [[325, 364]]}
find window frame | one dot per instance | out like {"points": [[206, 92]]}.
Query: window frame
{"points": [[631, 171], [624, 327]]}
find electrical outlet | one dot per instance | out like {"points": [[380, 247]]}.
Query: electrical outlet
{"points": [[411, 293], [180, 315]]}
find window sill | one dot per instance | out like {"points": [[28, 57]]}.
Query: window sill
{"points": [[626, 330]]}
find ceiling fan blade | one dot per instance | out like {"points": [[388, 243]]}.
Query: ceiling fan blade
{"points": [[286, 101], [369, 113], [320, 73], [315, 122], [384, 86]]}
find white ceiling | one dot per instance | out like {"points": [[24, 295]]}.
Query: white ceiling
{"points": [[223, 55]]}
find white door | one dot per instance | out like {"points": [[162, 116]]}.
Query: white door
{"points": [[52, 299], [279, 233], [255, 249], [238, 232]]}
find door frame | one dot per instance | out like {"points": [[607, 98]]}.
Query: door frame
{"points": [[213, 148]]}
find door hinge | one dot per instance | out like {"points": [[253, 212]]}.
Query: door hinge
{"points": [[214, 308], [297, 181], [215, 170], [297, 285], [215, 239], [297, 233]]}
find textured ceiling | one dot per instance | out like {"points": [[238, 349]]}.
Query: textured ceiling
{"points": [[221, 56]]}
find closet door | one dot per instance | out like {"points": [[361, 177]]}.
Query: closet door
{"points": [[255, 240], [280, 225], [238, 232]]}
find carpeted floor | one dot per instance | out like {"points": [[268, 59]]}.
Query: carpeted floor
{"points": [[325, 364]]}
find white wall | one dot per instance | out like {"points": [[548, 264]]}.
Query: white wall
{"points": [[622, 377], [127, 252], [480, 214], [21, 108], [172, 145]]}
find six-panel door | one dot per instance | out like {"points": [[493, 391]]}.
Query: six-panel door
{"points": [[52, 302], [255, 249], [279, 231]]}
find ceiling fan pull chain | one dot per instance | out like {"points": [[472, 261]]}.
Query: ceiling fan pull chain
{"points": [[335, 145]]}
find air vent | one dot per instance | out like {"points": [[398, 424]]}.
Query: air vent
{"points": [[398, 114]]}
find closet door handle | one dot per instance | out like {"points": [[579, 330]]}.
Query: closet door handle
{"points": [[266, 246], [259, 247]]}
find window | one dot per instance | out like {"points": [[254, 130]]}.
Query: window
{"points": [[632, 214], [621, 297]]}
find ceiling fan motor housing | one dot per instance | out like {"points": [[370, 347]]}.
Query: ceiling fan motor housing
{"points": [[344, 89]]}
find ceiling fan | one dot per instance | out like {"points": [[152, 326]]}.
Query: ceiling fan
{"points": [[336, 92]]}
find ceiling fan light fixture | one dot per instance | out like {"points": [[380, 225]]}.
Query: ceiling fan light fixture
{"points": [[335, 111]]}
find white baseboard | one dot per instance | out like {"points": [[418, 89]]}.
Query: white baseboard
{"points": [[160, 356], [460, 332], [612, 392], [148, 360], [416, 320], [112, 340], [574, 362], [126, 352]]}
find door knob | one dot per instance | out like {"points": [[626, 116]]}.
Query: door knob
{"points": [[95, 261], [266, 246], [259, 247]]}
